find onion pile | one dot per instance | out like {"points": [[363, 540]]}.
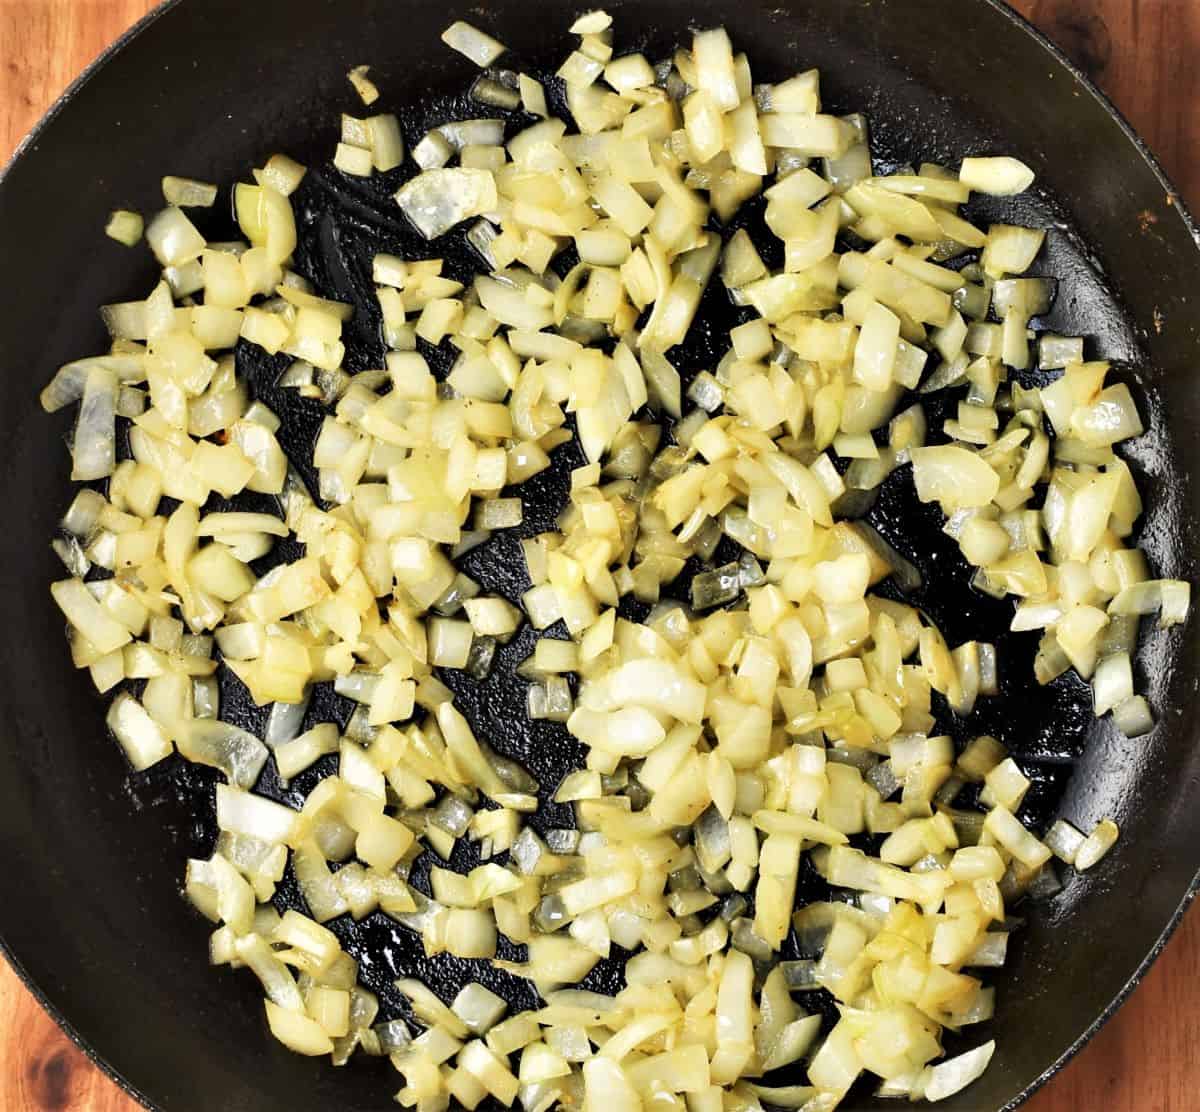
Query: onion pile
{"points": [[784, 714]]}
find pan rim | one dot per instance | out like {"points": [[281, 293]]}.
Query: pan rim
{"points": [[1038, 38], [26, 145]]}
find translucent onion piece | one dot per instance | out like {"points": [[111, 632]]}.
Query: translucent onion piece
{"points": [[188, 193], [472, 43], [491, 92], [240, 812], [955, 1074], [283, 722], [1002, 177], [144, 741], [953, 476], [94, 451], [438, 199], [125, 227], [238, 754], [363, 85]]}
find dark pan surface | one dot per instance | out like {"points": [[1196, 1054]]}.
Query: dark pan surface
{"points": [[90, 908]]}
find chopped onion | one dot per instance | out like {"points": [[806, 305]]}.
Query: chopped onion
{"points": [[1001, 177], [283, 723], [187, 193], [1133, 717], [239, 812], [783, 714], [125, 227], [297, 1032], [173, 238], [955, 1074], [1063, 840], [954, 477], [472, 43], [472, 133], [94, 451], [1112, 683], [1096, 845], [144, 741], [488, 91], [436, 200], [211, 742], [367, 91], [479, 1008], [432, 151]]}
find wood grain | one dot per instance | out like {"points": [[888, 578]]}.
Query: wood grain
{"points": [[1146, 55]]}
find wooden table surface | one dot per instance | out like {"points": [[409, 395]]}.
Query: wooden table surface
{"points": [[1146, 55]]}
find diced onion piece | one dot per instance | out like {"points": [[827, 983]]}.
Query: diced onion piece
{"points": [[356, 161], [1112, 683], [473, 133], [1010, 249], [438, 199], [533, 96], [69, 381], [472, 43], [143, 739], [432, 151], [1001, 177], [277, 980], [1005, 828], [87, 616], [632, 731], [173, 238], [607, 1086], [591, 23], [367, 91], [1059, 351], [1133, 717], [282, 174], [955, 477], [94, 451], [239, 812], [428, 1007], [1063, 840], [955, 1074], [500, 513], [238, 754], [125, 227], [1111, 417], [657, 686], [479, 1008], [875, 350], [387, 142], [298, 753], [494, 93], [187, 193], [1005, 785], [713, 55], [1096, 844], [297, 1032], [1170, 596]]}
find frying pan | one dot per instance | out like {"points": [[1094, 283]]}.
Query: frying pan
{"points": [[90, 910]]}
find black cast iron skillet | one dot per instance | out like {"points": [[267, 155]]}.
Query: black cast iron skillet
{"points": [[90, 910]]}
